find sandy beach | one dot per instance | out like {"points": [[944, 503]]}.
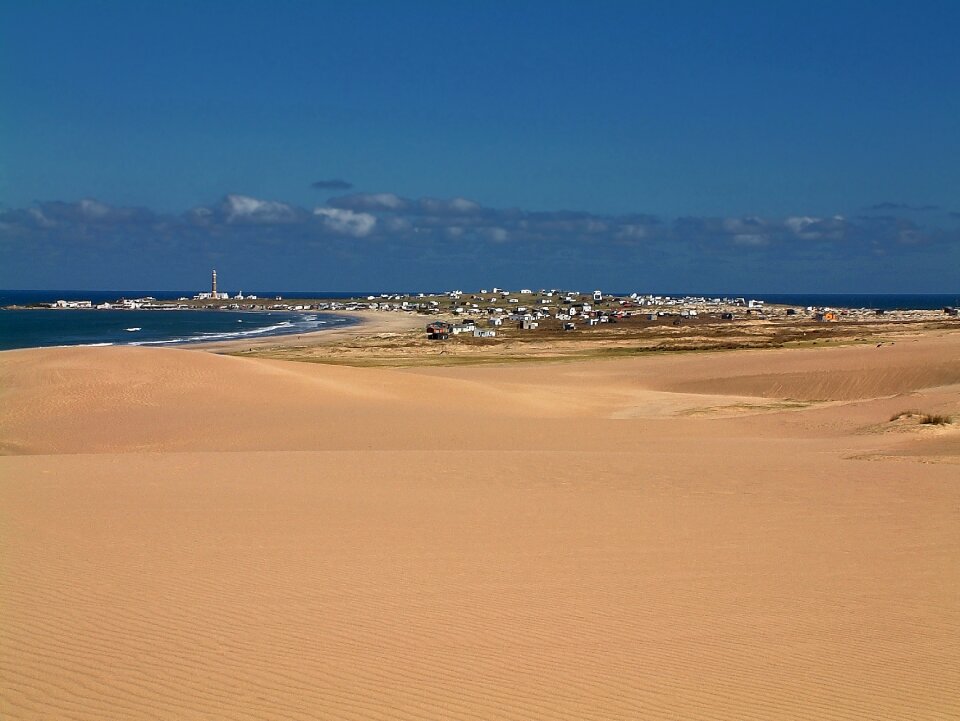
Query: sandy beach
{"points": [[735, 535], [367, 323]]}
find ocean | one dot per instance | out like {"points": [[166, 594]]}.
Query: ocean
{"points": [[38, 328], [859, 300], [35, 328]]}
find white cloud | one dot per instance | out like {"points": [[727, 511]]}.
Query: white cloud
{"points": [[632, 231], [244, 208], [463, 205], [93, 208], [395, 224], [347, 222], [385, 202], [798, 223], [42, 220]]}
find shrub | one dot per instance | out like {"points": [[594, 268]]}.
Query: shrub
{"points": [[904, 414], [929, 419]]}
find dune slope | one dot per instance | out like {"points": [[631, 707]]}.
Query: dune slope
{"points": [[194, 536]]}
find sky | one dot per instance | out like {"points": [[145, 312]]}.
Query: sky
{"points": [[718, 147]]}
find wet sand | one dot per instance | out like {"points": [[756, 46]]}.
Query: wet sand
{"points": [[368, 324], [737, 535]]}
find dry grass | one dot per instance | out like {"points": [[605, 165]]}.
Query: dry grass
{"points": [[928, 419], [904, 414]]}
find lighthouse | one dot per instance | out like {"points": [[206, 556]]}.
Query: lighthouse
{"points": [[213, 294]]}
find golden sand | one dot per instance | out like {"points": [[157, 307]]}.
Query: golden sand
{"points": [[740, 535]]}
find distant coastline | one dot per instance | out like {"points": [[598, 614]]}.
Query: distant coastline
{"points": [[879, 301], [62, 317]]}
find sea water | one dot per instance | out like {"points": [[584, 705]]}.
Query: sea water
{"points": [[33, 328]]}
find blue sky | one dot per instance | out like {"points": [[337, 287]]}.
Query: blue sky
{"points": [[796, 147]]}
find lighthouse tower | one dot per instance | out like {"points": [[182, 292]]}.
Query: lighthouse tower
{"points": [[213, 285]]}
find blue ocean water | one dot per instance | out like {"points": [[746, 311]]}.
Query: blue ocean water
{"points": [[37, 328], [861, 300]]}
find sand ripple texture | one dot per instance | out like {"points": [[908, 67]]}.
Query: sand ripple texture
{"points": [[190, 536]]}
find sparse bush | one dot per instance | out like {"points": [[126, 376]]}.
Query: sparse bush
{"points": [[904, 414], [928, 419]]}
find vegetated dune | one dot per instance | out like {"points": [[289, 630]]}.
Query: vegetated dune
{"points": [[817, 374], [194, 536]]}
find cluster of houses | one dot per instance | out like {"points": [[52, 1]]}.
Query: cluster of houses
{"points": [[441, 330], [145, 303], [526, 308]]}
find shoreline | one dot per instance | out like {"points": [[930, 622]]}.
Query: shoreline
{"points": [[380, 337], [500, 326], [367, 323], [359, 323]]}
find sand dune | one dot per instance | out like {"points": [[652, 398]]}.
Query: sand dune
{"points": [[194, 536]]}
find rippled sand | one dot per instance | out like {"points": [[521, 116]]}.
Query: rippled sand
{"points": [[742, 535]]}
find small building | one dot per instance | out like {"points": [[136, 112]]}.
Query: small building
{"points": [[569, 326], [438, 330], [484, 333], [529, 325]]}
